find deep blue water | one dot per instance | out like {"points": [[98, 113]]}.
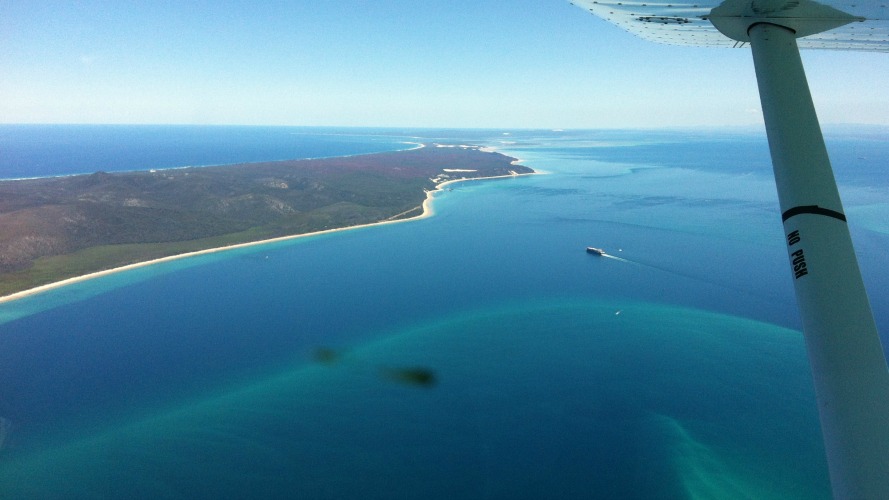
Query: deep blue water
{"points": [[50, 150], [674, 371]]}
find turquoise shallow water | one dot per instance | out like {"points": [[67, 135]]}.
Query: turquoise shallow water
{"points": [[479, 353], [570, 398]]}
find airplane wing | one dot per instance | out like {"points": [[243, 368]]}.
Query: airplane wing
{"points": [[848, 365], [689, 23]]}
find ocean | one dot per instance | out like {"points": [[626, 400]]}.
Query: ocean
{"points": [[479, 353], [51, 150]]}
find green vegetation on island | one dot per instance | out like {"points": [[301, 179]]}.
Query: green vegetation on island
{"points": [[61, 227]]}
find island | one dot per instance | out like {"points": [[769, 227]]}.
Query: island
{"points": [[53, 229]]}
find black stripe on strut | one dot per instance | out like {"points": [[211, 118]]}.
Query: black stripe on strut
{"points": [[812, 209]]}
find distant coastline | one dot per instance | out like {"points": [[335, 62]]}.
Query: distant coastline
{"points": [[34, 151], [426, 210]]}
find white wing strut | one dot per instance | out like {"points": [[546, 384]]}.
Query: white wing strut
{"points": [[851, 379], [847, 361]]}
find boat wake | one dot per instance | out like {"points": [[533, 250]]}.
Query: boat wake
{"points": [[615, 257], [675, 272], [601, 253]]}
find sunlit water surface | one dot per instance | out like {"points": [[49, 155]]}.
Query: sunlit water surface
{"points": [[480, 353]]}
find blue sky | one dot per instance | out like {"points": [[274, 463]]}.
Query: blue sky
{"points": [[421, 63]]}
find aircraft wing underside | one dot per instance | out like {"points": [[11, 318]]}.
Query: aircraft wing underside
{"points": [[862, 24]]}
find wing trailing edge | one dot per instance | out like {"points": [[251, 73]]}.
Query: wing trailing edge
{"points": [[850, 25]]}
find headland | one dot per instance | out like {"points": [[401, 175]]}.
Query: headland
{"points": [[56, 231]]}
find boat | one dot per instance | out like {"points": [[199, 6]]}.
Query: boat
{"points": [[595, 251]]}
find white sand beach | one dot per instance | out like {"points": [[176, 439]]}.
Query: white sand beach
{"points": [[427, 211]]}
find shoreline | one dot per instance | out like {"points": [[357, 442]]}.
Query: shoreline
{"points": [[427, 211], [416, 145]]}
